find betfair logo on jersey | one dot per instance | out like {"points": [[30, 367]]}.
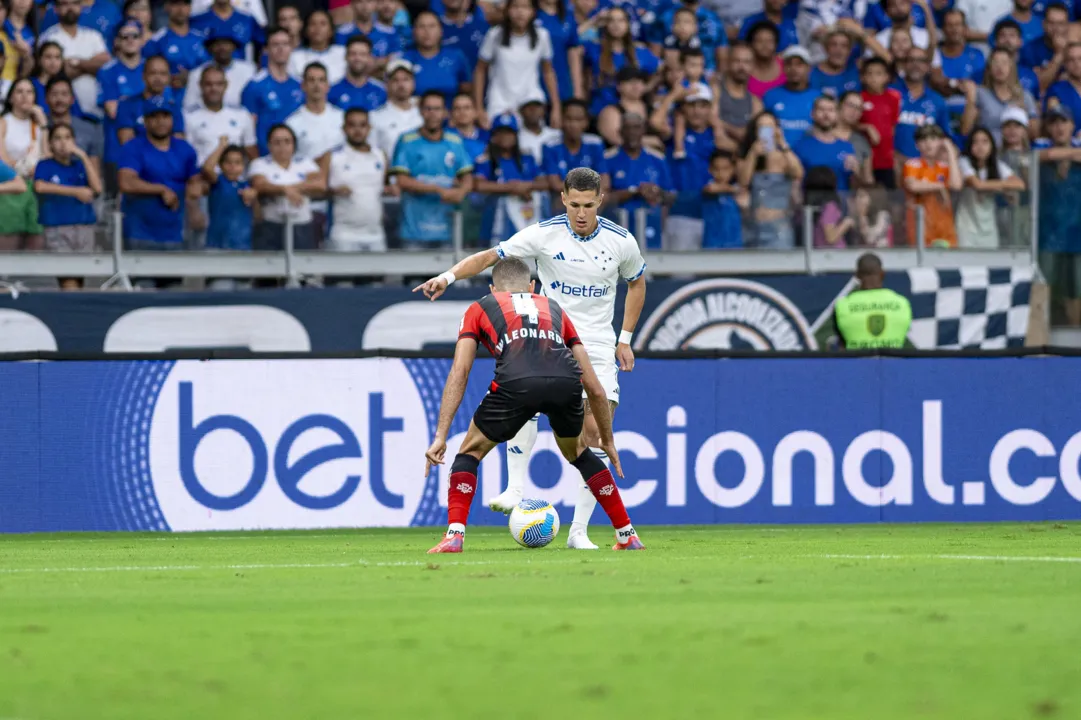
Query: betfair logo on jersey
{"points": [[587, 291], [726, 314]]}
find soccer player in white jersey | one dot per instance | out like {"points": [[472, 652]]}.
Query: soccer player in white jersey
{"points": [[580, 259]]}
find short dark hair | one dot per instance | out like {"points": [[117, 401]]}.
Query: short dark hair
{"points": [[282, 126], [575, 102], [722, 155], [315, 66], [824, 97], [55, 80], [868, 265], [1057, 6], [510, 273], [1003, 24], [353, 111], [358, 40], [147, 61], [229, 150], [582, 179], [433, 93], [871, 61], [271, 32], [60, 126], [690, 53], [764, 25]]}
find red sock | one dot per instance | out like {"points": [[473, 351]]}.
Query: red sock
{"points": [[604, 489], [463, 486]]}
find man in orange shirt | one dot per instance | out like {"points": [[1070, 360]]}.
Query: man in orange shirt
{"points": [[928, 182]]}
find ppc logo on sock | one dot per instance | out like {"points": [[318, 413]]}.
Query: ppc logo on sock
{"points": [[607, 490], [465, 488]]}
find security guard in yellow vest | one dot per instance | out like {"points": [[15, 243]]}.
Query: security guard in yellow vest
{"points": [[872, 316]]}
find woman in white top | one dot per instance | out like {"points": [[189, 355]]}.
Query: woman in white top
{"points": [[22, 134], [22, 129], [320, 47], [985, 178], [513, 57], [285, 185]]}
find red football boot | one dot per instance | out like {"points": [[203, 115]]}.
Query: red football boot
{"points": [[452, 544], [633, 543]]}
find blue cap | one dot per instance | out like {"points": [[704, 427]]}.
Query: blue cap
{"points": [[129, 23], [1058, 112], [221, 34], [505, 121], [157, 104]]}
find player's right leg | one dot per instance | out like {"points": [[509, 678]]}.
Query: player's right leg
{"points": [[566, 417]]}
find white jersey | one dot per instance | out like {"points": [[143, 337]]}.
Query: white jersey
{"points": [[581, 273]]}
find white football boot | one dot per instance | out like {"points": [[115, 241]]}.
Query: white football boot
{"points": [[578, 540], [505, 501]]}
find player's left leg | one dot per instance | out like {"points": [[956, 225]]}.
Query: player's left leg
{"points": [[519, 450]]}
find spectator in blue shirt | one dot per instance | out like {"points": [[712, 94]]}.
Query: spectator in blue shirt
{"points": [[156, 92], [434, 173], [120, 78], [436, 67], [48, 63], [357, 89], [792, 102], [385, 40], [710, 31], [223, 19], [556, 18], [1030, 23], [774, 12], [1047, 54], [722, 203], [920, 105], [272, 95], [179, 44], [877, 19], [639, 178], [158, 172], [1060, 196], [512, 181], [464, 29], [463, 123], [837, 74], [392, 15], [575, 148], [820, 147], [231, 198], [683, 38], [614, 51], [960, 61], [692, 147], [1067, 92], [66, 184]]}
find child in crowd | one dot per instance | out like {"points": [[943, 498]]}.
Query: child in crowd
{"points": [[874, 224], [881, 111], [985, 178], [831, 226], [929, 180], [722, 202], [67, 183], [231, 199], [684, 37], [1014, 211]]}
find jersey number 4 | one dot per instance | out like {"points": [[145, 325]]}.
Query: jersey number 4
{"points": [[526, 307]]}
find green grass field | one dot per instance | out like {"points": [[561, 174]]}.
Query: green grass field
{"points": [[927, 621]]}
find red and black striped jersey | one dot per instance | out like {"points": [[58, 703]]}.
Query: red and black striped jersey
{"points": [[528, 335]]}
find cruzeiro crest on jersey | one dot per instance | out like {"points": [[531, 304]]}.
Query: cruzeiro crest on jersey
{"points": [[726, 314]]}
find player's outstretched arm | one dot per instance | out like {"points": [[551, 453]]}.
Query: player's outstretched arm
{"points": [[473, 265], [465, 352], [632, 310], [598, 403]]}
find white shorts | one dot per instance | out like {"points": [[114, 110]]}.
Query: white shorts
{"points": [[603, 360]]}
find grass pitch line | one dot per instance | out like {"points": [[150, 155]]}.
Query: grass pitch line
{"points": [[975, 558]]}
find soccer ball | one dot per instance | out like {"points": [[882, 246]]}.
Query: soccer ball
{"points": [[534, 523]]}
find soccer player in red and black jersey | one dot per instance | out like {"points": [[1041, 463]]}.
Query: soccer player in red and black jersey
{"points": [[541, 367]]}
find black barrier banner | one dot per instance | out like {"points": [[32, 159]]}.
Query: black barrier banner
{"points": [[977, 307]]}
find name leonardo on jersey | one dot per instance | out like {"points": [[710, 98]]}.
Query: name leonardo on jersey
{"points": [[530, 333]]}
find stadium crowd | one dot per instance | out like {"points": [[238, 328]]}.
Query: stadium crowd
{"points": [[367, 123]]}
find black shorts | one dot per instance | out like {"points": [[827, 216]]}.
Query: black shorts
{"points": [[511, 405]]}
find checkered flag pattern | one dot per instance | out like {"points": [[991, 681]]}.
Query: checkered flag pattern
{"points": [[970, 308]]}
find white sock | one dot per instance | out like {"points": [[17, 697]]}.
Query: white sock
{"points": [[519, 450], [624, 534], [455, 529], [583, 508]]}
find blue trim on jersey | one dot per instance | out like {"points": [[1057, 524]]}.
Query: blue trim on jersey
{"points": [[576, 236], [499, 251], [609, 225], [553, 220], [637, 274]]}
